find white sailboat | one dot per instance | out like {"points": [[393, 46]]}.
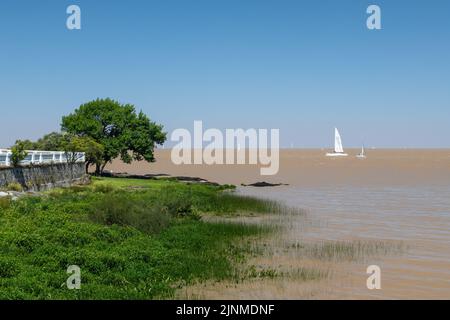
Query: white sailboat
{"points": [[362, 154], [338, 149]]}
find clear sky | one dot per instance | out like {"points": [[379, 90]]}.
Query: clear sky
{"points": [[300, 66]]}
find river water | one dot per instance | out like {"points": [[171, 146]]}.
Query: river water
{"points": [[400, 197]]}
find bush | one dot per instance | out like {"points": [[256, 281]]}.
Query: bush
{"points": [[14, 186], [103, 188], [18, 153], [178, 203], [125, 210], [8, 268], [5, 203]]}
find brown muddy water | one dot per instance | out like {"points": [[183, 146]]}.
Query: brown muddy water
{"points": [[391, 210]]}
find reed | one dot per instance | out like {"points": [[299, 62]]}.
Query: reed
{"points": [[355, 250]]}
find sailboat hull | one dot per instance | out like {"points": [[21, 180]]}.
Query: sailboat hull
{"points": [[336, 154]]}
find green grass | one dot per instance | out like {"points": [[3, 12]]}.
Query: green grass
{"points": [[202, 197], [133, 183], [132, 239], [302, 274]]}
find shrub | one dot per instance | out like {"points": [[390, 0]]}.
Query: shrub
{"points": [[124, 210], [18, 153], [103, 188], [5, 203], [14, 186], [179, 206], [8, 268]]}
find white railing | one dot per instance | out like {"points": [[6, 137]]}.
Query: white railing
{"points": [[39, 157]]}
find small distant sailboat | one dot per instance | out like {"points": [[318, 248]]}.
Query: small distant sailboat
{"points": [[338, 149], [362, 154]]}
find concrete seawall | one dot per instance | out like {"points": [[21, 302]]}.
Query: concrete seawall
{"points": [[43, 177]]}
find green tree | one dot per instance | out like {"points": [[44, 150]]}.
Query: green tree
{"points": [[118, 129], [93, 152], [73, 146], [18, 153], [27, 144], [50, 142]]}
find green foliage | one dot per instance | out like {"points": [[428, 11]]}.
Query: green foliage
{"points": [[127, 236], [73, 145], [124, 210], [27, 144], [104, 188], [8, 268], [104, 129], [49, 142], [200, 197], [93, 151], [18, 153], [14, 186], [117, 128], [5, 203]]}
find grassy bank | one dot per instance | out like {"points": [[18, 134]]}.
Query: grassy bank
{"points": [[132, 239]]}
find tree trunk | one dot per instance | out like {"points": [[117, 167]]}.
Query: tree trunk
{"points": [[97, 169], [87, 167], [103, 167]]}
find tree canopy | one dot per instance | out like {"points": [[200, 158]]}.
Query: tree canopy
{"points": [[71, 144], [49, 142], [117, 128]]}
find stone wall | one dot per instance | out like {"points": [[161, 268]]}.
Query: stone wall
{"points": [[43, 177]]}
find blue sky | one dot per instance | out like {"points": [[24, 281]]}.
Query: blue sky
{"points": [[300, 66]]}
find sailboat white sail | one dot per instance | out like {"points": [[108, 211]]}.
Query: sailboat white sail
{"points": [[337, 142], [338, 149]]}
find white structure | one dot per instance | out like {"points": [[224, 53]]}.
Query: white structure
{"points": [[39, 157], [362, 154], [338, 149]]}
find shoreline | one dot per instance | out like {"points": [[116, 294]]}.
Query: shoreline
{"points": [[310, 168], [391, 197]]}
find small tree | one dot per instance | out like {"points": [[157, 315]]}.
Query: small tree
{"points": [[50, 142], [18, 153], [93, 152], [27, 144], [73, 147]]}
